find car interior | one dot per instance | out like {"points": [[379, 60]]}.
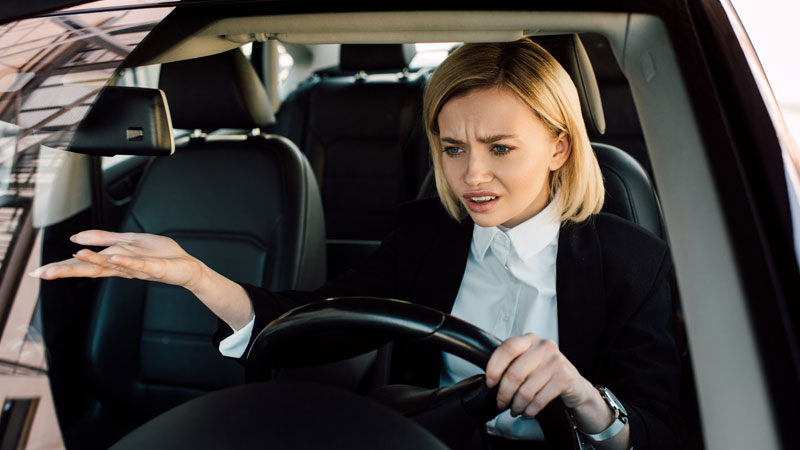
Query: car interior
{"points": [[278, 200]]}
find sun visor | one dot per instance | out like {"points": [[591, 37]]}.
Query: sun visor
{"points": [[126, 121]]}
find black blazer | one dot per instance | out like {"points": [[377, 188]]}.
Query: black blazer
{"points": [[614, 305]]}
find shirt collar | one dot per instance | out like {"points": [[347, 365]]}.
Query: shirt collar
{"points": [[528, 238]]}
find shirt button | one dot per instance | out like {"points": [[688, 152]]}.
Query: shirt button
{"points": [[506, 319]]}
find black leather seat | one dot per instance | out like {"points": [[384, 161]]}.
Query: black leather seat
{"points": [[360, 125], [629, 191], [247, 205]]}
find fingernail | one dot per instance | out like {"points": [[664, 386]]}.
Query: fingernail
{"points": [[73, 237]]}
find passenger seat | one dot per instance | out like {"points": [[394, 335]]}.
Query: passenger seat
{"points": [[246, 205], [360, 125]]}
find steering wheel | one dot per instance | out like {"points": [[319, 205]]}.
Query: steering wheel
{"points": [[345, 327], [290, 415]]}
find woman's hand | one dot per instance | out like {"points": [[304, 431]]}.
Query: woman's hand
{"points": [[531, 372], [155, 258], [128, 255]]}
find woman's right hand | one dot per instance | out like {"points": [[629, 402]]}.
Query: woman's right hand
{"points": [[127, 255], [154, 258]]}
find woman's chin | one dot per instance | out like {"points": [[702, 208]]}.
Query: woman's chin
{"points": [[485, 220]]}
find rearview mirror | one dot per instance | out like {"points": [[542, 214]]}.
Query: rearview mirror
{"points": [[126, 121]]}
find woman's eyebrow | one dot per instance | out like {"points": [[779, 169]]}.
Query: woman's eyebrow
{"points": [[495, 138], [483, 140], [449, 140]]}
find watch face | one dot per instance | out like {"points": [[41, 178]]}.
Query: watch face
{"points": [[613, 399]]}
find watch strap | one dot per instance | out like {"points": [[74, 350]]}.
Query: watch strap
{"points": [[616, 426], [620, 417]]}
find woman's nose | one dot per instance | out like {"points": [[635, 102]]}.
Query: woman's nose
{"points": [[478, 171]]}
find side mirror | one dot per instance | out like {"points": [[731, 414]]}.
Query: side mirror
{"points": [[126, 121]]}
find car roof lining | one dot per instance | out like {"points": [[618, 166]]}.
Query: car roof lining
{"points": [[171, 42]]}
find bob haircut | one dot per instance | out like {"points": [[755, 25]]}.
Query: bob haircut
{"points": [[530, 72]]}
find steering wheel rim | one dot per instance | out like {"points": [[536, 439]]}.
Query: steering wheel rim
{"points": [[377, 319], [373, 320]]}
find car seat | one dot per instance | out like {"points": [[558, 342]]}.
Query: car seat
{"points": [[360, 125], [246, 205]]}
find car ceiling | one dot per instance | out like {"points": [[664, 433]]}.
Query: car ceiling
{"points": [[181, 36]]}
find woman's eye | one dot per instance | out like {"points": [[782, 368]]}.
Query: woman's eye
{"points": [[453, 151], [500, 149]]}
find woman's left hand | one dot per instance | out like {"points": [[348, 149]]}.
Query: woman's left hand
{"points": [[532, 372]]}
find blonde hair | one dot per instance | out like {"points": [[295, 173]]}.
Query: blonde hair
{"points": [[529, 71]]}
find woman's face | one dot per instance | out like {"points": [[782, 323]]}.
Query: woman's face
{"points": [[497, 155]]}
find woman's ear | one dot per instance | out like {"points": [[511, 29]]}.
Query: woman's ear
{"points": [[562, 149]]}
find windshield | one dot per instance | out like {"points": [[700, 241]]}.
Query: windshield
{"points": [[359, 140], [51, 70]]}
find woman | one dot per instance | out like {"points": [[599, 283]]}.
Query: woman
{"points": [[515, 245]]}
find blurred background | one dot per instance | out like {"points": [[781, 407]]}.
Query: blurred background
{"points": [[771, 24]]}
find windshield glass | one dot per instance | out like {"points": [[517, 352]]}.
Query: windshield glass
{"points": [[767, 34], [51, 70], [362, 148]]}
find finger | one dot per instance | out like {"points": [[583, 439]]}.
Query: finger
{"points": [[103, 238], [552, 389], [502, 356], [521, 369], [73, 268], [92, 257], [527, 391], [119, 263], [143, 267]]}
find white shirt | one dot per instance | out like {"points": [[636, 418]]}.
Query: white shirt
{"points": [[508, 289]]}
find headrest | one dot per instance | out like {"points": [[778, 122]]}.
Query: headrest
{"points": [[569, 52], [217, 91], [372, 57]]}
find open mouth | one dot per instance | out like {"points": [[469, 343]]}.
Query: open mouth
{"points": [[480, 202], [484, 199]]}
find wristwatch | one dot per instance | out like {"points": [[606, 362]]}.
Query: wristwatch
{"points": [[620, 417]]}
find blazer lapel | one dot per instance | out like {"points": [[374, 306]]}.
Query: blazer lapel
{"points": [[436, 281], [580, 292], [442, 270]]}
